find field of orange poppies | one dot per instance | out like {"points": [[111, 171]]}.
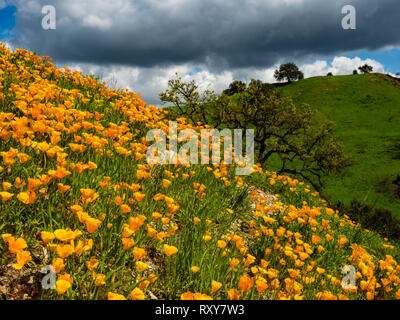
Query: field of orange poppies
{"points": [[78, 196]]}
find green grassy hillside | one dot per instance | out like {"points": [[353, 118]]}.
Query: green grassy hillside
{"points": [[366, 110]]}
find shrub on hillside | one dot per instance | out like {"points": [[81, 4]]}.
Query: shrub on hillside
{"points": [[382, 221]]}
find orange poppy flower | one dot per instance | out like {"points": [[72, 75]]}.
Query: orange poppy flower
{"points": [[63, 188], [170, 250], [92, 224], [215, 286], [245, 283], [139, 196], [62, 286], [115, 296], [64, 250], [23, 257], [139, 253], [16, 246], [233, 294], [137, 294], [6, 195], [125, 208], [166, 183], [127, 243], [47, 236]]}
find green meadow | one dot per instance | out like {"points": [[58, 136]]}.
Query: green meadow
{"points": [[366, 111]]}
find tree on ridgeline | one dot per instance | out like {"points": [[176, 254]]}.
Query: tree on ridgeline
{"points": [[366, 68], [289, 72]]}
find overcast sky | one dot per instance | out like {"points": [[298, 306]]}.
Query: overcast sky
{"points": [[142, 43]]}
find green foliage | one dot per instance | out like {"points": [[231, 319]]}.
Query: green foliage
{"points": [[187, 99], [366, 68], [257, 86], [235, 87], [288, 71], [302, 142]]}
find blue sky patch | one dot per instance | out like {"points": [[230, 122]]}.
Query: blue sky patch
{"points": [[389, 58], [194, 71], [7, 21]]}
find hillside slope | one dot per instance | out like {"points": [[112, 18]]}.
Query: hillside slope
{"points": [[78, 198], [366, 110]]}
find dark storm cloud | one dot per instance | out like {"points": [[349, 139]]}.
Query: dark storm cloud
{"points": [[221, 34]]}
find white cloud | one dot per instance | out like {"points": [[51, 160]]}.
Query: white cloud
{"points": [[339, 66], [149, 82], [96, 22]]}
